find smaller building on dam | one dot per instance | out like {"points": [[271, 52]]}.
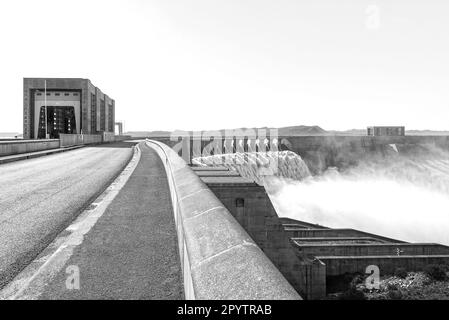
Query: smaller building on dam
{"points": [[53, 106], [386, 131]]}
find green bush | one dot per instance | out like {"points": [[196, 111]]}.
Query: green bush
{"points": [[400, 273], [436, 272]]}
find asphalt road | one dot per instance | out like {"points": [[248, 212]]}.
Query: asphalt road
{"points": [[132, 250], [40, 197]]}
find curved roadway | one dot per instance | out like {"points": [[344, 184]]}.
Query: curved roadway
{"points": [[40, 197]]}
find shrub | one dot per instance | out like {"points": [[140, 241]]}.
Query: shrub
{"points": [[436, 272], [395, 294], [392, 287], [356, 280], [400, 273], [352, 294]]}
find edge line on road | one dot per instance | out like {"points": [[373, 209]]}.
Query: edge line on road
{"points": [[30, 282]]}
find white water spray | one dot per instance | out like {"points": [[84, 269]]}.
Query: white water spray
{"points": [[258, 165], [406, 198]]}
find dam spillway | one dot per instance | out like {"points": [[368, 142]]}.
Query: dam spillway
{"points": [[392, 191], [255, 166], [341, 249]]}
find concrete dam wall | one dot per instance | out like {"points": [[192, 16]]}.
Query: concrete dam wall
{"points": [[319, 152], [322, 152], [372, 195], [382, 200], [395, 183]]}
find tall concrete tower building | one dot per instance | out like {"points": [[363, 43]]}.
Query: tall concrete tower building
{"points": [[65, 105]]}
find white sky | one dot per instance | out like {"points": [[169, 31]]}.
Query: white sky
{"points": [[206, 64]]}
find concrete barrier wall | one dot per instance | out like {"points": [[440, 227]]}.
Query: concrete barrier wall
{"points": [[309, 233], [8, 148], [117, 138], [321, 152], [108, 137], [218, 258], [373, 249], [12, 147], [336, 266], [78, 139], [122, 138], [111, 137]]}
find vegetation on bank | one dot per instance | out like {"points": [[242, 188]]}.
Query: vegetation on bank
{"points": [[430, 284]]}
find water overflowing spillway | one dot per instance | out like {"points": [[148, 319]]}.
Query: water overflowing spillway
{"points": [[401, 197], [257, 166]]}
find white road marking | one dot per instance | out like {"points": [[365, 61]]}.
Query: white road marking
{"points": [[29, 283]]}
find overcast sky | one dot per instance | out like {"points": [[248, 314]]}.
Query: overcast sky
{"points": [[206, 64]]}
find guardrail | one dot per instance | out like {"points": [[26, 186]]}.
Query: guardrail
{"points": [[13, 147], [24, 146], [219, 260], [77, 139]]}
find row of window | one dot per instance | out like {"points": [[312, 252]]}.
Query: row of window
{"points": [[93, 111], [110, 124], [75, 94], [102, 115]]}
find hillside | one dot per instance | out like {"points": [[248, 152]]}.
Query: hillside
{"points": [[297, 131], [148, 133], [302, 131], [287, 131]]}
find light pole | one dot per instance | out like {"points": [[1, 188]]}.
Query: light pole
{"points": [[45, 104]]}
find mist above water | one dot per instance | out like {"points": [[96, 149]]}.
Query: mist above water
{"points": [[402, 196]]}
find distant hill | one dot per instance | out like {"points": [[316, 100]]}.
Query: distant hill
{"points": [[284, 131], [148, 133], [426, 133], [296, 131], [359, 132], [302, 131], [10, 135], [352, 132]]}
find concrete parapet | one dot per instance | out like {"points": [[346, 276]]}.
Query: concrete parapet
{"points": [[335, 240], [78, 139], [121, 138], [218, 258], [108, 137], [15, 147], [374, 249], [339, 265], [8, 148], [343, 232], [111, 137]]}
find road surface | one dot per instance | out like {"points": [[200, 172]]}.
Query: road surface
{"points": [[40, 197], [132, 250]]}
